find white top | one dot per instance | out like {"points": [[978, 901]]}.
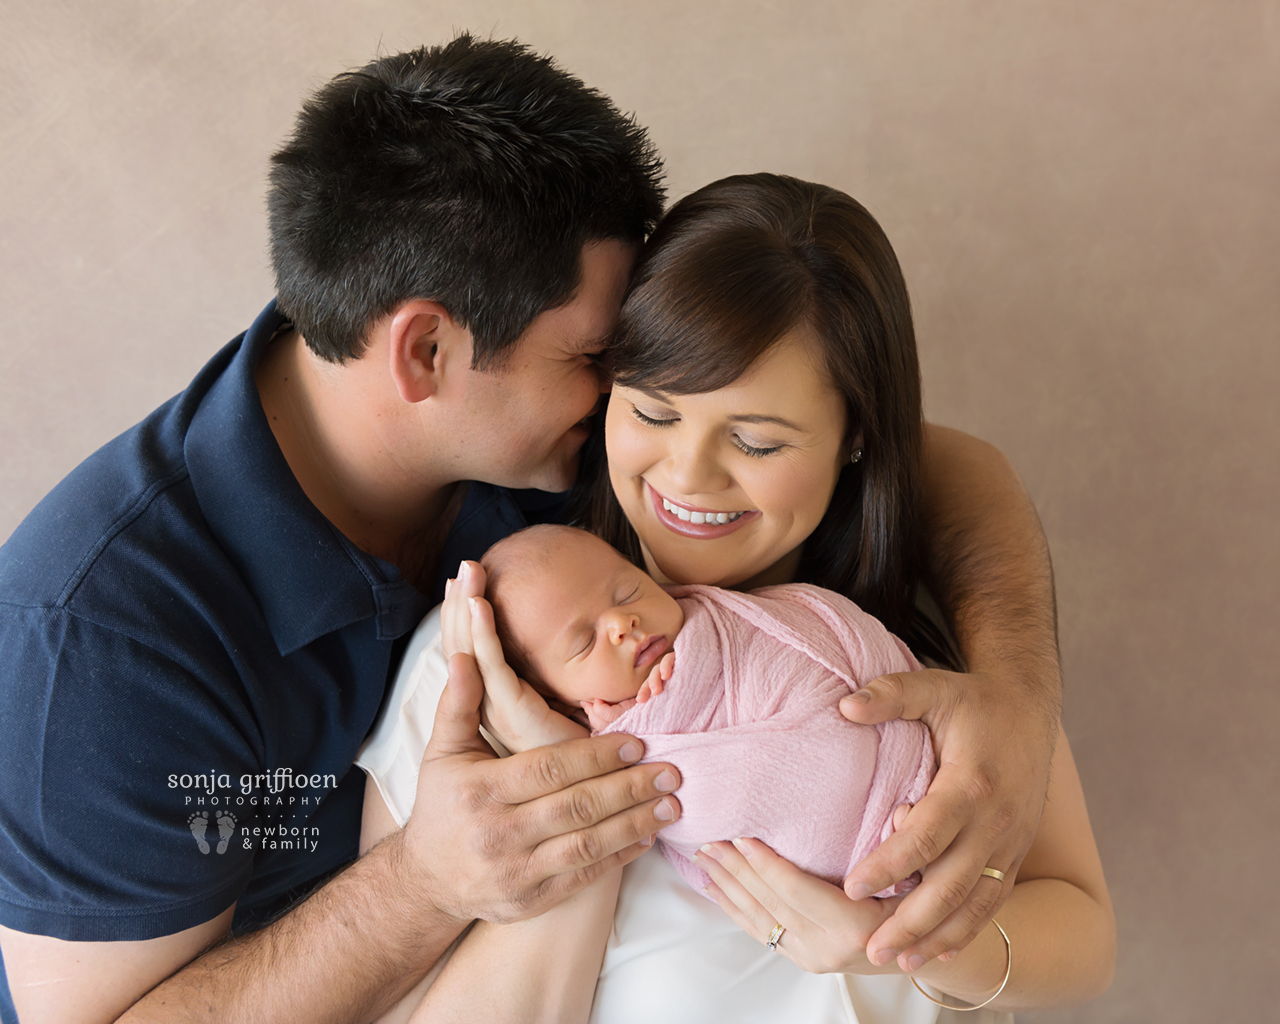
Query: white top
{"points": [[710, 971]]}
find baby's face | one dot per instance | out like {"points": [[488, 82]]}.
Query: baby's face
{"points": [[594, 624]]}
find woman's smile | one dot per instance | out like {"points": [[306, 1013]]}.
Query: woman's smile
{"points": [[696, 521]]}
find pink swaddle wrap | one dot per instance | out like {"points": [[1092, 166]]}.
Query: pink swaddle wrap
{"points": [[750, 718]]}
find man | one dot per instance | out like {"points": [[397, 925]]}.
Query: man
{"points": [[199, 622]]}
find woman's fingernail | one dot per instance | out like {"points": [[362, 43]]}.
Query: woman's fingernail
{"points": [[858, 891], [884, 956], [665, 782], [914, 963], [712, 852], [664, 811], [629, 751], [743, 847]]}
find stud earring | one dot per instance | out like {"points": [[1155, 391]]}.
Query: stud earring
{"points": [[856, 455]]}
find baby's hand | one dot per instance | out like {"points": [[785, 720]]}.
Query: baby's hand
{"points": [[601, 713], [652, 686]]}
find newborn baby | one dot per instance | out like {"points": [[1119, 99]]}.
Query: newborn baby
{"points": [[738, 691]]}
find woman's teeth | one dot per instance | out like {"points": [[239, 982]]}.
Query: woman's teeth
{"points": [[700, 517]]}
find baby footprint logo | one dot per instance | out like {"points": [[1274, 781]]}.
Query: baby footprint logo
{"points": [[226, 826], [199, 824]]}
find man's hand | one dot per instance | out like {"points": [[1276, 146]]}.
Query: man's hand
{"points": [[507, 839], [994, 743], [512, 711]]}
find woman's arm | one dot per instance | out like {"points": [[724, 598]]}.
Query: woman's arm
{"points": [[549, 963], [1058, 917], [543, 969], [994, 728]]}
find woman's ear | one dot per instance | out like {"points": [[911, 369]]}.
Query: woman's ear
{"points": [[424, 344]]}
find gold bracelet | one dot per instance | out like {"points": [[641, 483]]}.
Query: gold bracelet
{"points": [[1008, 948]]}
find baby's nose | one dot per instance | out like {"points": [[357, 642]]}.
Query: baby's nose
{"points": [[620, 626]]}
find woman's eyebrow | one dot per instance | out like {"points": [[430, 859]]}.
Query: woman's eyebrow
{"points": [[768, 419], [657, 396]]}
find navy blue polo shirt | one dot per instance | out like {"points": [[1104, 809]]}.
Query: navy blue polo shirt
{"points": [[191, 657]]}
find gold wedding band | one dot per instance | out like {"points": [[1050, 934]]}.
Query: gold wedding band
{"points": [[774, 938], [993, 873]]}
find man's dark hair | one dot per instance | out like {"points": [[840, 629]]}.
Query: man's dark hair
{"points": [[470, 174]]}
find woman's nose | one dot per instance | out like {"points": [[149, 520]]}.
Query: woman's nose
{"points": [[694, 469]]}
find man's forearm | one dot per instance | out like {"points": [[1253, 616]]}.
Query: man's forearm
{"points": [[989, 562], [345, 954]]}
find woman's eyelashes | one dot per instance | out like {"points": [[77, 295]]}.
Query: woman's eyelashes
{"points": [[653, 421], [747, 448], [755, 451]]}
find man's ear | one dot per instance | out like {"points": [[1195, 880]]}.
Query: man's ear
{"points": [[424, 344]]}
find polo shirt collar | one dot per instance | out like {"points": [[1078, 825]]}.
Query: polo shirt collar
{"points": [[309, 580]]}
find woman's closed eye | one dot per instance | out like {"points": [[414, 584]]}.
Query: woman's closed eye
{"points": [[755, 451], [653, 418]]}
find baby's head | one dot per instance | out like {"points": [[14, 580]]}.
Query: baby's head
{"points": [[577, 621]]}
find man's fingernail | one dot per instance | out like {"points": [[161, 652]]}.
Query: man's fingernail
{"points": [[665, 782], [712, 852], [629, 751], [914, 963], [647, 841], [885, 955], [474, 605], [743, 846], [861, 697], [858, 891], [464, 571], [447, 584], [664, 811], [949, 955]]}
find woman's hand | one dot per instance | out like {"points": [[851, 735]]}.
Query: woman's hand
{"points": [[994, 743], [826, 932], [513, 711]]}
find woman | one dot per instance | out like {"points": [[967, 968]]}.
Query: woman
{"points": [[765, 376]]}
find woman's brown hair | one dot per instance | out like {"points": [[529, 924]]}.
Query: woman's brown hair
{"points": [[729, 271]]}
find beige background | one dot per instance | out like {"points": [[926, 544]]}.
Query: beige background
{"points": [[1084, 196]]}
